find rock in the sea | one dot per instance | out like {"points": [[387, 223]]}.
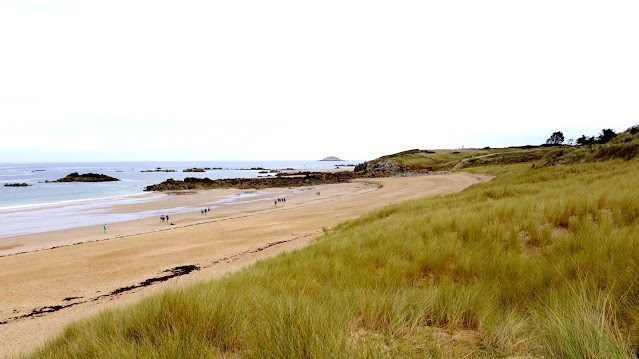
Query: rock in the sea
{"points": [[194, 170], [252, 169], [22, 184], [86, 177], [159, 169]]}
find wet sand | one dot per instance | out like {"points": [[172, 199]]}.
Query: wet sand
{"points": [[42, 291], [240, 202]]}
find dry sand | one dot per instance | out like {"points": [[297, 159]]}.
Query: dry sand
{"points": [[81, 278]]}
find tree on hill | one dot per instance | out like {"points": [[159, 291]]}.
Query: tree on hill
{"points": [[585, 140], [557, 138], [606, 135]]}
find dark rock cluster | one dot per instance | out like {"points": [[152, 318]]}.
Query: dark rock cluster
{"points": [[158, 170], [380, 168], [86, 177], [297, 179], [22, 184]]}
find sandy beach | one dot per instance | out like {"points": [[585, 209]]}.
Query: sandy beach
{"points": [[44, 288], [234, 203]]}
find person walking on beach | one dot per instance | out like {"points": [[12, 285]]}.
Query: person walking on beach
{"points": [[104, 227]]}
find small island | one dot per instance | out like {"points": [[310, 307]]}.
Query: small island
{"points": [[331, 158], [159, 169], [86, 177], [194, 170], [252, 169], [22, 184]]}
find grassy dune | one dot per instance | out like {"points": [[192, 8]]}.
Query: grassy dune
{"points": [[625, 146], [541, 261]]}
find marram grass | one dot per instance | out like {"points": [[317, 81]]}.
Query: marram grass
{"points": [[539, 262]]}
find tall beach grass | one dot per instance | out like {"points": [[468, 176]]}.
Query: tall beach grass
{"points": [[541, 261]]}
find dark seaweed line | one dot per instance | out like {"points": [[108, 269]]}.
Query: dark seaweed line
{"points": [[172, 273]]}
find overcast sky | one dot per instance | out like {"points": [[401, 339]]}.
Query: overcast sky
{"points": [[233, 80]]}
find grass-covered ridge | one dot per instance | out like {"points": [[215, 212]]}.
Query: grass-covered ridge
{"points": [[540, 261], [624, 145]]}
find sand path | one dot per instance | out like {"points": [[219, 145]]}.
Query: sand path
{"points": [[42, 291]]}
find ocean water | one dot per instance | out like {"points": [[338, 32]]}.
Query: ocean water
{"points": [[45, 206], [132, 180]]}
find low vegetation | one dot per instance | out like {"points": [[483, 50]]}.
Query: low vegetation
{"points": [[542, 261], [607, 145]]}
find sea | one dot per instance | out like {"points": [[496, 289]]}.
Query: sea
{"points": [[46, 206]]}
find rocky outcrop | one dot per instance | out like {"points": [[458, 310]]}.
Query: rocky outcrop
{"points": [[194, 170], [22, 184], [297, 179], [158, 170], [380, 168], [87, 177]]}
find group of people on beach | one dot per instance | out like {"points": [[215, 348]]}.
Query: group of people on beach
{"points": [[165, 217]]}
